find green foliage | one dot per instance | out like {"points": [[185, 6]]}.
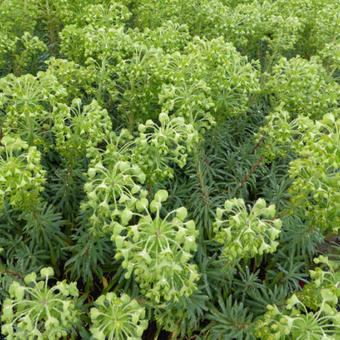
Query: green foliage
{"points": [[26, 102], [295, 321], [325, 282], [117, 318], [89, 255], [229, 320], [316, 178], [158, 249], [183, 317], [36, 311], [171, 142], [21, 174], [112, 185], [27, 50], [205, 84], [115, 176], [77, 80], [315, 170], [79, 132], [303, 87], [179, 160], [246, 234]]}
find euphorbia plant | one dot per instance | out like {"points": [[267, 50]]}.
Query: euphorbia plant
{"points": [[26, 102], [36, 311], [296, 320], [314, 189], [112, 185], [143, 145], [117, 318], [171, 142], [158, 249], [244, 234], [21, 174]]}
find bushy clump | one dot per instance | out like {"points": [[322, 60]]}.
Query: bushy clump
{"points": [[244, 234], [303, 87], [37, 311], [21, 174], [179, 159], [296, 320], [158, 250], [118, 318]]}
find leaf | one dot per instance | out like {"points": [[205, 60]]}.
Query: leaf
{"points": [[104, 281]]}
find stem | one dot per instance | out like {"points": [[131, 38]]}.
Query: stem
{"points": [[174, 334], [258, 144], [250, 172], [132, 108], [200, 178], [18, 276], [157, 333], [204, 193], [101, 81], [50, 29], [16, 66], [30, 129]]}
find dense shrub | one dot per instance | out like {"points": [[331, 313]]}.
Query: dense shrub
{"points": [[169, 167]]}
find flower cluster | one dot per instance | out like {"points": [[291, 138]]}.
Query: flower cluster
{"points": [[245, 234], [117, 318], [296, 320], [111, 187], [37, 311], [172, 141], [158, 250], [21, 174], [78, 130]]}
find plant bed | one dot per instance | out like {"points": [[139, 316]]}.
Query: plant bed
{"points": [[169, 169]]}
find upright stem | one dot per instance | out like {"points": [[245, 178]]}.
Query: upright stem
{"points": [[200, 177], [250, 172], [132, 108], [30, 128], [174, 334], [203, 189], [50, 29], [158, 331], [102, 74]]}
